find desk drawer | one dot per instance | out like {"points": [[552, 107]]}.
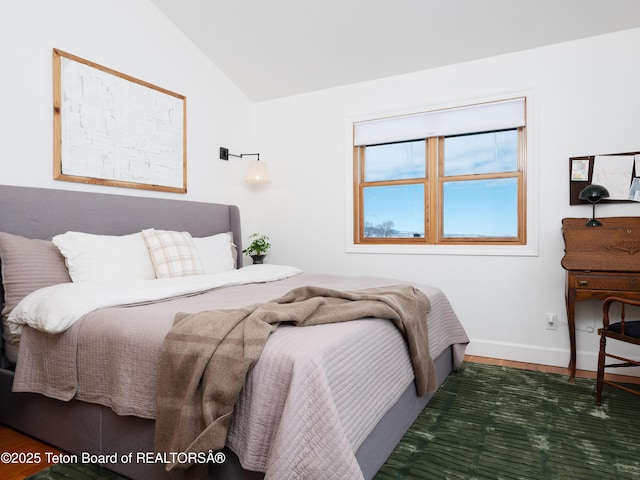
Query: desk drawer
{"points": [[629, 283]]}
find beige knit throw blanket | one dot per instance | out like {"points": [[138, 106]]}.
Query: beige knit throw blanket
{"points": [[206, 356]]}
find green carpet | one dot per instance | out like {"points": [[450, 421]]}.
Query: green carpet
{"points": [[490, 422], [497, 423]]}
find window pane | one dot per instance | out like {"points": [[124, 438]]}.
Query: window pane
{"points": [[394, 211], [481, 208], [395, 161], [490, 152]]}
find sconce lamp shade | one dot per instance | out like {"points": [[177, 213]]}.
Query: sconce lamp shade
{"points": [[257, 172], [593, 194]]}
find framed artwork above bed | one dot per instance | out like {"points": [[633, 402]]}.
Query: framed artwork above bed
{"points": [[114, 129]]}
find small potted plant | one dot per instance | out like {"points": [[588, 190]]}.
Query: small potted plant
{"points": [[258, 248]]}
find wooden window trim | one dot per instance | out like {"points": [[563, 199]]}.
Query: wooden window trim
{"points": [[433, 184]]}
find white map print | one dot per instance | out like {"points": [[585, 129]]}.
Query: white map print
{"points": [[614, 172]]}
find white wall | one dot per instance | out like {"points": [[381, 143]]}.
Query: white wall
{"points": [[586, 101], [132, 37]]}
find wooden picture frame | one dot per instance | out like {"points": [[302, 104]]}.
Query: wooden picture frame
{"points": [[114, 129]]}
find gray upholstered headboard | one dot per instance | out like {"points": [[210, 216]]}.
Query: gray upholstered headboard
{"points": [[43, 213]]}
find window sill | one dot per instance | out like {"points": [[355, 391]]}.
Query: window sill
{"points": [[475, 250]]}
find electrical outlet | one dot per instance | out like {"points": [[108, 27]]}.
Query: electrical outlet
{"points": [[551, 321], [224, 153]]}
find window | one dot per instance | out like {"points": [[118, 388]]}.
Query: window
{"points": [[451, 176]]}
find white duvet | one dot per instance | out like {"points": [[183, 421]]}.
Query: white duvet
{"points": [[54, 309]]}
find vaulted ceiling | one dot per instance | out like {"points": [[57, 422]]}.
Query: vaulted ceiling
{"points": [[276, 48]]}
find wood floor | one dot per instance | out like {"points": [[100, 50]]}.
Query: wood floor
{"points": [[15, 443], [12, 441], [549, 369]]}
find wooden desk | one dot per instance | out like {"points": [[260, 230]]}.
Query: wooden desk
{"points": [[600, 262]]}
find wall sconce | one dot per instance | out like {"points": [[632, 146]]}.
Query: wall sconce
{"points": [[257, 171], [593, 194]]}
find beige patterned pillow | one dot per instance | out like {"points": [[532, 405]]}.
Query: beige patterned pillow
{"points": [[173, 254]]}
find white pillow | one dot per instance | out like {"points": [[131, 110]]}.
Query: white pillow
{"points": [[173, 254], [216, 252], [105, 257]]}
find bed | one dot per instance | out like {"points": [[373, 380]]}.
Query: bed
{"points": [[335, 416]]}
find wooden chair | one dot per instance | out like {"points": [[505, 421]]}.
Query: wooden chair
{"points": [[624, 331]]}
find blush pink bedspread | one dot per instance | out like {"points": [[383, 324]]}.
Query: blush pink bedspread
{"points": [[308, 403]]}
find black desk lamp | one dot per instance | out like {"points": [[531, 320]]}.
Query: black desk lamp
{"points": [[593, 194]]}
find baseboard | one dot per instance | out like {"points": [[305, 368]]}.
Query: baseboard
{"points": [[520, 353], [555, 357]]}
